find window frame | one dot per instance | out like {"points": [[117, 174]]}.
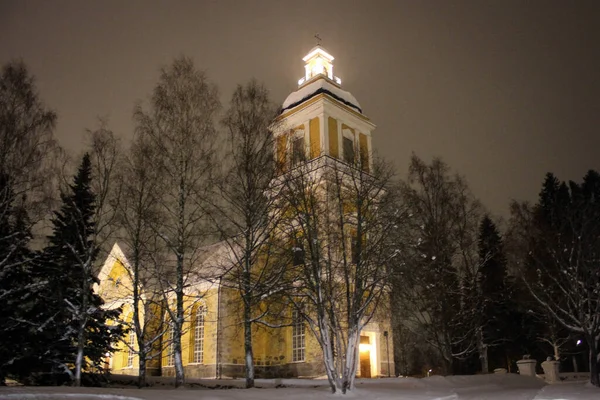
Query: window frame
{"points": [[171, 346], [198, 336], [298, 337]]}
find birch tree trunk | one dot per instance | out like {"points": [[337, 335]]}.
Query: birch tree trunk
{"points": [[483, 352]]}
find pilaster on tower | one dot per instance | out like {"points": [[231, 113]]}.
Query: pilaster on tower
{"points": [[322, 119]]}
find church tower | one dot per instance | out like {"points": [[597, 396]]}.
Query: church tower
{"points": [[320, 119]]}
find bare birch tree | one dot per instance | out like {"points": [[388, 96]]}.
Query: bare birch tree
{"points": [[28, 150], [137, 214], [339, 216], [180, 125], [248, 212]]}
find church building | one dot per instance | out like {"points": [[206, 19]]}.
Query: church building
{"points": [[319, 120]]}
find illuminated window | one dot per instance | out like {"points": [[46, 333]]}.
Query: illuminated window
{"points": [[348, 150], [199, 336], [298, 337], [131, 344]]}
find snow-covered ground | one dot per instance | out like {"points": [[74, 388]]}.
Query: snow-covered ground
{"points": [[481, 387]]}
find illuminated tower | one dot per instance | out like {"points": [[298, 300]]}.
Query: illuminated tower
{"points": [[320, 119]]}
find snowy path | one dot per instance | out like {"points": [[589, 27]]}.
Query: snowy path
{"points": [[482, 387]]}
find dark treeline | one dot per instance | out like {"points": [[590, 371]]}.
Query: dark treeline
{"points": [[467, 293]]}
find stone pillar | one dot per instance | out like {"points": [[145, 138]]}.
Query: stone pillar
{"points": [[550, 368], [527, 367]]}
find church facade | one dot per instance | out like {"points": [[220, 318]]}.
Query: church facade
{"points": [[319, 121]]}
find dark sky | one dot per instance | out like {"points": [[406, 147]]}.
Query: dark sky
{"points": [[504, 91]]}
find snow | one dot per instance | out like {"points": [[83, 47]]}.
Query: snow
{"points": [[481, 387], [320, 84]]}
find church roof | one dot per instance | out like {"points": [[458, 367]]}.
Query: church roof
{"points": [[322, 85]]}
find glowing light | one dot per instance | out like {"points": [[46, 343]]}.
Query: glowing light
{"points": [[364, 347], [578, 342], [301, 81], [338, 80]]}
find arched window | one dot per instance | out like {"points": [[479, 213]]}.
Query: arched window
{"points": [[198, 336]]}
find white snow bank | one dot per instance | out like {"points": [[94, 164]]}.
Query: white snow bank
{"points": [[479, 387], [320, 84], [569, 391]]}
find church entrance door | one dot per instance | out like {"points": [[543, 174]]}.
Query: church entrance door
{"points": [[365, 357]]}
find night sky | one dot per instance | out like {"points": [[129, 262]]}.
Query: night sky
{"points": [[504, 91]]}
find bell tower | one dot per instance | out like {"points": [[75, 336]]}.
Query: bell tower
{"points": [[320, 119]]}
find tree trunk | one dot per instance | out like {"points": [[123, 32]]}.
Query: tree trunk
{"points": [[447, 360], [483, 353], [351, 360], [594, 378], [79, 359], [179, 373], [328, 359], [249, 359], [142, 366], [81, 333]]}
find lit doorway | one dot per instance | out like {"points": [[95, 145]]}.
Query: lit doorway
{"points": [[365, 357]]}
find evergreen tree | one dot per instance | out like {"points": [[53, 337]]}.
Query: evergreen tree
{"points": [[492, 289], [16, 285], [79, 334], [560, 261]]}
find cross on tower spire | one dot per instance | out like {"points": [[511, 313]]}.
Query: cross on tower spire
{"points": [[318, 39]]}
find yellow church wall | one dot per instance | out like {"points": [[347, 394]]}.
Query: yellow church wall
{"points": [[315, 138], [232, 332], [332, 128]]}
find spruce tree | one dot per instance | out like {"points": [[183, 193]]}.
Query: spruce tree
{"points": [[492, 286], [16, 285], [80, 333]]}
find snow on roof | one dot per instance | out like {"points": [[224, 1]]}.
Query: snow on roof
{"points": [[321, 85]]}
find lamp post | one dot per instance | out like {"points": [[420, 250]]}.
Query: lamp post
{"points": [[387, 347]]}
